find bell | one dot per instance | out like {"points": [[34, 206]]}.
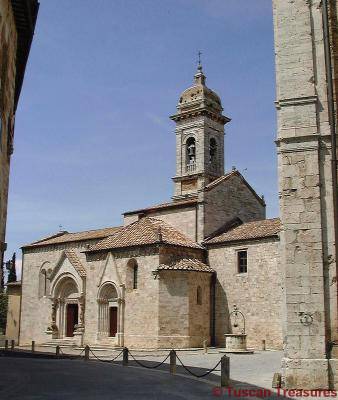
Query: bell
{"points": [[191, 150], [235, 325]]}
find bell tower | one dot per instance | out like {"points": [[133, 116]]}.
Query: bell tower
{"points": [[199, 138]]}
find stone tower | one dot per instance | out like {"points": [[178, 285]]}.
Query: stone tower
{"points": [[199, 138], [307, 71]]}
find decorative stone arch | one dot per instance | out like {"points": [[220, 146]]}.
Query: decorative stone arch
{"points": [[44, 279], [58, 284], [109, 312], [67, 307]]}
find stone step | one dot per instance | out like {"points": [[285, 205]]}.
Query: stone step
{"points": [[59, 342]]}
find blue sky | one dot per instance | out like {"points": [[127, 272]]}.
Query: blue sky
{"points": [[93, 137]]}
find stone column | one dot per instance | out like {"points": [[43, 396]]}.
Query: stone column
{"points": [[61, 309], [99, 325], [306, 203], [121, 302]]}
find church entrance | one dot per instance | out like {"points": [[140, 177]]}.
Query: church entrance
{"points": [[112, 321], [108, 313], [72, 319]]}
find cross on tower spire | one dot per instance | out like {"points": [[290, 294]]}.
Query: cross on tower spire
{"points": [[199, 60]]}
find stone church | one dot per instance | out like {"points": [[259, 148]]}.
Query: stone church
{"points": [[171, 275]]}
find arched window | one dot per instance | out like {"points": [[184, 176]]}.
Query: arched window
{"points": [[135, 272], [199, 295], [213, 151], [44, 279], [191, 154], [132, 274], [42, 283]]}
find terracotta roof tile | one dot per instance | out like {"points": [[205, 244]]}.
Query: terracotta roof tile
{"points": [[76, 263], [187, 264], [250, 230], [145, 231], [172, 204], [64, 237]]}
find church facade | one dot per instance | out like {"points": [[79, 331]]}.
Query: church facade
{"points": [[171, 275]]}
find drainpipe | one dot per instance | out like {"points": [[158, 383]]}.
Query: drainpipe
{"points": [[332, 122]]}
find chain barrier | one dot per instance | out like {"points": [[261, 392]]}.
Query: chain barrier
{"points": [[104, 360], [148, 366], [197, 375]]}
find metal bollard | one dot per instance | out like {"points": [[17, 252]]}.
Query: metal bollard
{"points": [[205, 346], [12, 344], [6, 344], [225, 371], [86, 353], [263, 345], [33, 346], [173, 362], [125, 356], [57, 351]]}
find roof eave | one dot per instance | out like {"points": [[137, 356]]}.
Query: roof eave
{"points": [[188, 203], [25, 15], [238, 241], [158, 243]]}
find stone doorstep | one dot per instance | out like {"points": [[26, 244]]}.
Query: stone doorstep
{"points": [[234, 351]]}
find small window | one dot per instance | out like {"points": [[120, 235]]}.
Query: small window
{"points": [[199, 295], [242, 260], [135, 277]]}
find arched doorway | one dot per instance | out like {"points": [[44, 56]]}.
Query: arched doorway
{"points": [[108, 313], [66, 300]]}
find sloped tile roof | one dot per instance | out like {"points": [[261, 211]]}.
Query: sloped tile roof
{"points": [[250, 230], [187, 264], [172, 204], [143, 232], [75, 261], [64, 237]]}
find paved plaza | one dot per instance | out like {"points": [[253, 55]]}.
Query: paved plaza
{"points": [[35, 379]]}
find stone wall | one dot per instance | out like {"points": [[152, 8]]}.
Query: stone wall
{"points": [[159, 312], [36, 309], [306, 203], [257, 293], [181, 218], [229, 199], [202, 129], [182, 322], [13, 312], [141, 304], [8, 43]]}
